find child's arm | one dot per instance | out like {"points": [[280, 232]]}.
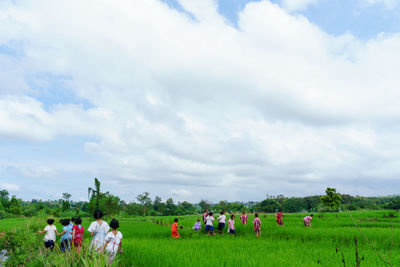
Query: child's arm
{"points": [[63, 232], [42, 232], [120, 247], [73, 233], [105, 245]]}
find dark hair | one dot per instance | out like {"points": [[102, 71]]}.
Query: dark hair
{"points": [[114, 224], [243, 212], [61, 221], [78, 221], [232, 216], [65, 222], [312, 215], [176, 220], [73, 219], [210, 213], [205, 210], [98, 214], [50, 221], [222, 212], [256, 214]]}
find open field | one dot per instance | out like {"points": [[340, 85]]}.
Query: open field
{"points": [[148, 243]]}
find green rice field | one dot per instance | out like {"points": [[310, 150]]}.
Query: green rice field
{"points": [[328, 242]]}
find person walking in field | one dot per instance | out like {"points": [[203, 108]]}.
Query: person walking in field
{"points": [[77, 233], [205, 214], [113, 241], [278, 217], [66, 236], [231, 225], [307, 220], [243, 218], [174, 228], [209, 223], [197, 225], [98, 229], [50, 232], [221, 222], [257, 225]]}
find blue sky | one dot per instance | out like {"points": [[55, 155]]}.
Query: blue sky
{"points": [[184, 99]]}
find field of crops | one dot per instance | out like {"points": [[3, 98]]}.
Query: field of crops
{"points": [[330, 240]]}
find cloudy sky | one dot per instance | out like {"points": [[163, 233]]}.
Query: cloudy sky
{"points": [[199, 99]]}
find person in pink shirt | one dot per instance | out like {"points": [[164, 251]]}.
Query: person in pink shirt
{"points": [[231, 225], [307, 220], [257, 225], [243, 218]]}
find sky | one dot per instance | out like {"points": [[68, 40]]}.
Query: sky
{"points": [[199, 99]]}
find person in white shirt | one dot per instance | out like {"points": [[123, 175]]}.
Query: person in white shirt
{"points": [[50, 234], [221, 222], [113, 241], [209, 223], [98, 229]]}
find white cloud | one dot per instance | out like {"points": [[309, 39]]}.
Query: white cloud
{"points": [[9, 187], [275, 106], [389, 4], [294, 5]]}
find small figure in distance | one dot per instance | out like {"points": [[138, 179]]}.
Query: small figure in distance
{"points": [[279, 216], [50, 232], [243, 218], [221, 222], [113, 241], [307, 220], [66, 236], [98, 229], [174, 227], [231, 225], [197, 225], [257, 225], [77, 233], [209, 223]]}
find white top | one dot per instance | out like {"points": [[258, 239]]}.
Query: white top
{"points": [[231, 224], [50, 233], [113, 241], [99, 233], [222, 218], [209, 220]]}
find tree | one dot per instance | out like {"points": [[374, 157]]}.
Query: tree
{"points": [[145, 201], [170, 207], [4, 198], [95, 193], [15, 206], [204, 204], [158, 205], [331, 199], [66, 201]]}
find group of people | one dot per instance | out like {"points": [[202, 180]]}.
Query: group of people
{"points": [[208, 221], [103, 240]]}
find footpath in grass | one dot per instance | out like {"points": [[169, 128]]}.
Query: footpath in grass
{"points": [[147, 242]]}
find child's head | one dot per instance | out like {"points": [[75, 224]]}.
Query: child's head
{"points": [[78, 221], [210, 213], [205, 210], [61, 221], [176, 220], [50, 221], [65, 222], [73, 219], [98, 214], [198, 219], [232, 216], [312, 215], [256, 215], [222, 212], [243, 212], [114, 224]]}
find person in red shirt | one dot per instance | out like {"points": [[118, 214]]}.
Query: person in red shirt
{"points": [[279, 216], [77, 233], [175, 233], [205, 214]]}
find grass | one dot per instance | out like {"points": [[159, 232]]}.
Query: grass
{"points": [[148, 243]]}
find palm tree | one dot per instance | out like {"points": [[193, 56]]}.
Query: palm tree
{"points": [[95, 192]]}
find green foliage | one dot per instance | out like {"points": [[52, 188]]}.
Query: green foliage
{"points": [[331, 199]]}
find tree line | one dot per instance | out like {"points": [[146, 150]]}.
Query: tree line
{"points": [[144, 205]]}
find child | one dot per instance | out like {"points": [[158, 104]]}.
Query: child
{"points": [[70, 225], [231, 225], [279, 216], [113, 242], [205, 214], [243, 218], [77, 233], [66, 236], [50, 236], [221, 222], [98, 229], [175, 233], [307, 220], [257, 225], [209, 223], [197, 225]]}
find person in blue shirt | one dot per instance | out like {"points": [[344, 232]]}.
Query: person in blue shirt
{"points": [[66, 236]]}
